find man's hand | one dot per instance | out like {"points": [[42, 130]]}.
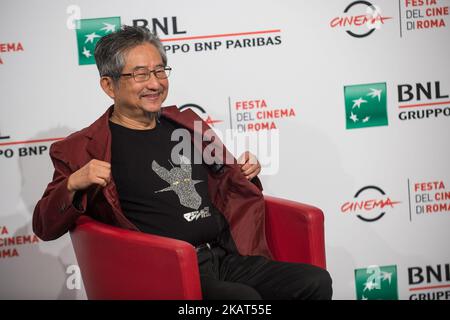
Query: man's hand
{"points": [[250, 166], [94, 172]]}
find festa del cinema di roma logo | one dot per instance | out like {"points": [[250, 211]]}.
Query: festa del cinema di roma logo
{"points": [[376, 283], [369, 205], [201, 112], [360, 19], [10, 47], [365, 105]]}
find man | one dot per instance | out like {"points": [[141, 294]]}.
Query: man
{"points": [[123, 170]]}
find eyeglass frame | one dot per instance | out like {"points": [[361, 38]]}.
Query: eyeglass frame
{"points": [[132, 74]]}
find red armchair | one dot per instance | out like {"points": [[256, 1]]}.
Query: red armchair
{"points": [[121, 264]]}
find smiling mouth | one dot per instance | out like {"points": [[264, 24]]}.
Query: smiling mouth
{"points": [[151, 96]]}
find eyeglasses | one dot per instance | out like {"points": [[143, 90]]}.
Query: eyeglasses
{"points": [[143, 74]]}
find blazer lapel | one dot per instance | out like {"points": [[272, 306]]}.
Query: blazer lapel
{"points": [[99, 148]]}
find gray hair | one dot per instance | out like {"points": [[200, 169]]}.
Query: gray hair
{"points": [[111, 49]]}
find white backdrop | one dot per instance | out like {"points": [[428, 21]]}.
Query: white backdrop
{"points": [[300, 58]]}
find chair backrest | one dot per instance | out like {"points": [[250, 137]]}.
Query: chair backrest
{"points": [[122, 264]]}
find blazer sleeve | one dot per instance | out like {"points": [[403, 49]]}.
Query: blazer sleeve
{"points": [[55, 213]]}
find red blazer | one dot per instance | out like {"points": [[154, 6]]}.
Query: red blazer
{"points": [[240, 200]]}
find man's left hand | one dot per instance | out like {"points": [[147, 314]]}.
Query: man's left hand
{"points": [[250, 166]]}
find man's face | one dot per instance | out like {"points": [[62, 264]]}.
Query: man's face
{"points": [[149, 95]]}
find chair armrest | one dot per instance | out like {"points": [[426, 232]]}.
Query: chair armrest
{"points": [[295, 231], [121, 264]]}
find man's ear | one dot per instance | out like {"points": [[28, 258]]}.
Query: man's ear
{"points": [[108, 86]]}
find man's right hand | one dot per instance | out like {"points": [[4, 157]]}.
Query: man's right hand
{"points": [[94, 172]]}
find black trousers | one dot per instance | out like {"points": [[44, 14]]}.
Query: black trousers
{"points": [[227, 276]]}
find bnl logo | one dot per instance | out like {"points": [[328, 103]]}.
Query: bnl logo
{"points": [[365, 105], [376, 283], [89, 31]]}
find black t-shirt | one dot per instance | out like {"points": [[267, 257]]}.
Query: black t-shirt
{"points": [[161, 193]]}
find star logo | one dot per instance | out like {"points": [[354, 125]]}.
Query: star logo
{"points": [[365, 105], [357, 103], [353, 117], [108, 27], [86, 52], [376, 282], [90, 37], [375, 93], [88, 34]]}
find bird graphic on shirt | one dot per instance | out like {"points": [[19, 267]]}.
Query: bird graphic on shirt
{"points": [[180, 181]]}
